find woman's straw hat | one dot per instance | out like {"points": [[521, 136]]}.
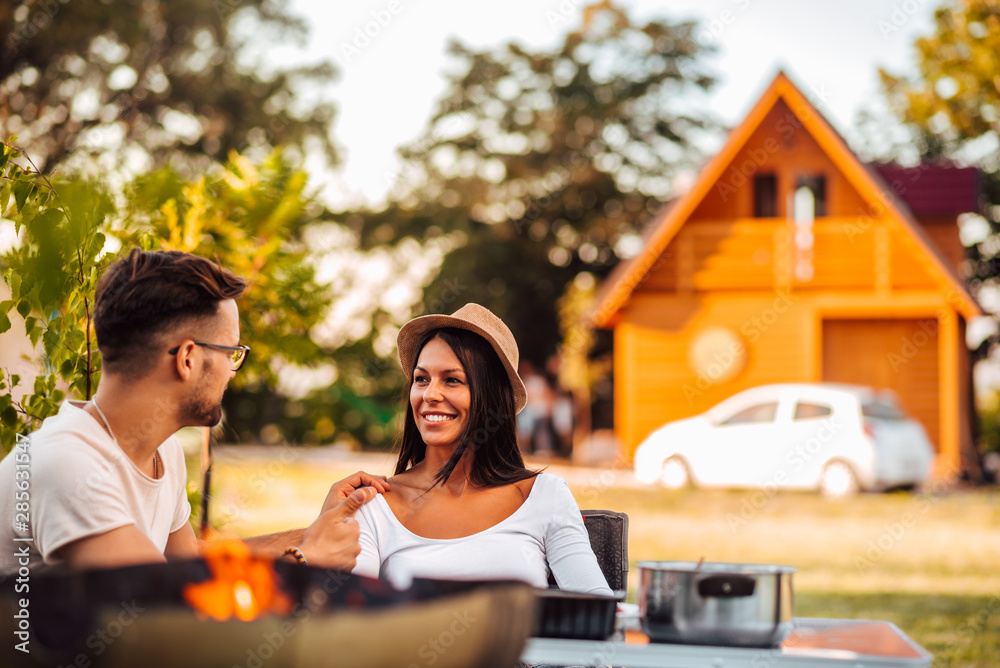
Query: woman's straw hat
{"points": [[474, 318]]}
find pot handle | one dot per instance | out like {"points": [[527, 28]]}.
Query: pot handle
{"points": [[726, 586]]}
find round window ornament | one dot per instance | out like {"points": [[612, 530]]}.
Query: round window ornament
{"points": [[717, 354]]}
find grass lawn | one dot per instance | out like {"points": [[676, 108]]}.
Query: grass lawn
{"points": [[927, 563], [960, 631]]}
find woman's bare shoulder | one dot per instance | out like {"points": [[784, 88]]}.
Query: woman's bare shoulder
{"points": [[407, 485], [406, 478]]}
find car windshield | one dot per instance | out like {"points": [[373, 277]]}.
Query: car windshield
{"points": [[882, 409]]}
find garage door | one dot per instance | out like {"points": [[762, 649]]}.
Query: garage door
{"points": [[901, 355]]}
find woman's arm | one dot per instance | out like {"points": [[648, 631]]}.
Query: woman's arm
{"points": [[567, 546]]}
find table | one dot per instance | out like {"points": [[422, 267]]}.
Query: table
{"points": [[812, 643]]}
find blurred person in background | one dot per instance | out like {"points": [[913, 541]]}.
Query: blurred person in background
{"points": [[541, 438], [563, 419]]}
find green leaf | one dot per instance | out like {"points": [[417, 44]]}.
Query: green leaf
{"points": [[24, 283], [4, 198], [51, 341], [22, 188], [34, 334], [14, 283], [94, 246], [48, 220], [4, 323], [24, 308]]}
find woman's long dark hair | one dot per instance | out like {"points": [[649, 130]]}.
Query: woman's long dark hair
{"points": [[491, 430]]}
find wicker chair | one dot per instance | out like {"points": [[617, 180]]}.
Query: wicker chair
{"points": [[609, 539]]}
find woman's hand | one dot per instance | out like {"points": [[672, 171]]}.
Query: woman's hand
{"points": [[342, 489]]}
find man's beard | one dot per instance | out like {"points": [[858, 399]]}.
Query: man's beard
{"points": [[201, 411]]}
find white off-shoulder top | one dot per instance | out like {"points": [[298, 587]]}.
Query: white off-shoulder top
{"points": [[545, 534]]}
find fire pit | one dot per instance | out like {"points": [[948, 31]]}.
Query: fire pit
{"points": [[234, 609]]}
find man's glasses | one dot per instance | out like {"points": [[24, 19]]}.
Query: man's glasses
{"points": [[237, 354]]}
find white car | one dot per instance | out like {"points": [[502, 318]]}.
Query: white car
{"points": [[836, 438]]}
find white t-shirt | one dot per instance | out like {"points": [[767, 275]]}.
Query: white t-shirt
{"points": [[545, 532], [81, 484]]}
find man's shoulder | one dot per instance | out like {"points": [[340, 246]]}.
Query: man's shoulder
{"points": [[66, 439], [71, 419]]}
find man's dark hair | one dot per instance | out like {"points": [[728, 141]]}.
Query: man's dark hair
{"points": [[491, 429], [148, 293]]}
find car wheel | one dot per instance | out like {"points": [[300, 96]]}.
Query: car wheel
{"points": [[675, 474], [838, 481]]}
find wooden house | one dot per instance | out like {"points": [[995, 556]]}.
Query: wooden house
{"points": [[789, 260]]}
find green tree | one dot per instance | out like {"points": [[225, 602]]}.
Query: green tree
{"points": [[183, 81], [545, 165], [256, 219], [952, 107], [252, 218], [51, 277]]}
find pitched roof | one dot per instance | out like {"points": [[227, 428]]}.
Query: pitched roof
{"points": [[622, 282], [934, 190]]}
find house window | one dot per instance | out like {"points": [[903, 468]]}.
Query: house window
{"points": [[817, 184], [803, 207], [765, 196]]}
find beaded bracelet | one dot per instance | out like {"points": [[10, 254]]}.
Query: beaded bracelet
{"points": [[297, 553]]}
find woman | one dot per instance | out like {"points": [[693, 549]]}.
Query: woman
{"points": [[462, 505]]}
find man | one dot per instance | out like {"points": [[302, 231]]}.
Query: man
{"points": [[106, 478]]}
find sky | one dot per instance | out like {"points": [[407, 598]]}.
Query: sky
{"points": [[391, 55], [391, 58]]}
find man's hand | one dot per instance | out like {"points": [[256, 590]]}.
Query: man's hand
{"points": [[344, 488], [332, 540], [328, 530]]}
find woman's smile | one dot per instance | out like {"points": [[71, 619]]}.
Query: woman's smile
{"points": [[437, 417], [440, 396]]}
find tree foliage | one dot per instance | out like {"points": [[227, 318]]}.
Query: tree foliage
{"points": [[547, 163], [953, 108], [536, 167], [258, 221], [252, 218], [181, 80], [51, 278]]}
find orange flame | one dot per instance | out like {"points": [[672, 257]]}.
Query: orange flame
{"points": [[242, 585]]}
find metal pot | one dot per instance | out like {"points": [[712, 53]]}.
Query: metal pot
{"points": [[738, 605]]}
